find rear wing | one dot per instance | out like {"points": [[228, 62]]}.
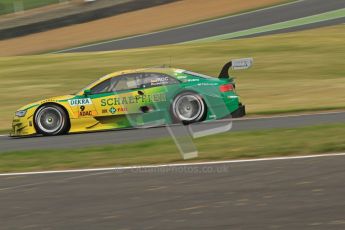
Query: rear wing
{"points": [[243, 63]]}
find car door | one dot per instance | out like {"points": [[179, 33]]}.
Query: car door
{"points": [[133, 97], [157, 90], [117, 96]]}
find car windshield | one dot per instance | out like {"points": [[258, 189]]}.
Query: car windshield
{"points": [[89, 85]]}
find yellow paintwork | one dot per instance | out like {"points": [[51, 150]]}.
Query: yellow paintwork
{"points": [[85, 121]]}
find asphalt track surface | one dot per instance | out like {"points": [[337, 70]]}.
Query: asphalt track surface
{"points": [[298, 28], [226, 25], [305, 193], [134, 135]]}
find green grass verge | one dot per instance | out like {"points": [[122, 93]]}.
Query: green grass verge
{"points": [[7, 6], [279, 142], [292, 72], [4, 131]]}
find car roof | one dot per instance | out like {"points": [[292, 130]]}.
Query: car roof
{"points": [[164, 70]]}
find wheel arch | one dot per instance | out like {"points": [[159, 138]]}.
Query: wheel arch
{"points": [[186, 91], [189, 91], [56, 104]]}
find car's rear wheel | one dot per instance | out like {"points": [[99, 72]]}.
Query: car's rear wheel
{"points": [[51, 120], [188, 108]]}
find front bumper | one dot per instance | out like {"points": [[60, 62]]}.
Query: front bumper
{"points": [[240, 112], [22, 127]]}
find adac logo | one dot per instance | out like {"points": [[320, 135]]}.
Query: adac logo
{"points": [[85, 113], [112, 110]]}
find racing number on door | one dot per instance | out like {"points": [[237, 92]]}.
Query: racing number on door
{"points": [[84, 113]]}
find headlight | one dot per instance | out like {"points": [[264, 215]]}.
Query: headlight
{"points": [[20, 113]]}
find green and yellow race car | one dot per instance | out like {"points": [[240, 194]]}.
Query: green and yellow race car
{"points": [[135, 98]]}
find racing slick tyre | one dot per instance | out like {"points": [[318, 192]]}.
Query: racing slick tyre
{"points": [[188, 107], [51, 120]]}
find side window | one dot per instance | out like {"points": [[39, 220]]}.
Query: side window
{"points": [[105, 86], [102, 87], [157, 79], [128, 82], [133, 81]]}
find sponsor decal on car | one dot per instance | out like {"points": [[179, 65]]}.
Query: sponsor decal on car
{"points": [[82, 101], [133, 99], [112, 110], [47, 100], [85, 113], [122, 109], [207, 84], [160, 81], [193, 80]]}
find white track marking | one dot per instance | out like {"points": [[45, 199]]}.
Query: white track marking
{"points": [[174, 165], [22, 186], [53, 181]]}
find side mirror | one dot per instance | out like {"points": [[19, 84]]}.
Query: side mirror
{"points": [[87, 92]]}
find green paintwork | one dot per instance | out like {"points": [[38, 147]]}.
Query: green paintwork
{"points": [[148, 105]]}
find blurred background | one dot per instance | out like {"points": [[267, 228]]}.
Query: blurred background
{"points": [[19, 6]]}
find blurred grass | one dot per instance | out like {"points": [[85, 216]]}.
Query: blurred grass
{"points": [[301, 71], [7, 6], [279, 142]]}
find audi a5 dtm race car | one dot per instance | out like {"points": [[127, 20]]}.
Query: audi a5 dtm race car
{"points": [[134, 98]]}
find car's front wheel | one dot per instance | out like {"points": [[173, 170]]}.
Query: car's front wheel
{"points": [[188, 108], [51, 120]]}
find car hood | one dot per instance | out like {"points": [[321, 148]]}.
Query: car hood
{"points": [[52, 99]]}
